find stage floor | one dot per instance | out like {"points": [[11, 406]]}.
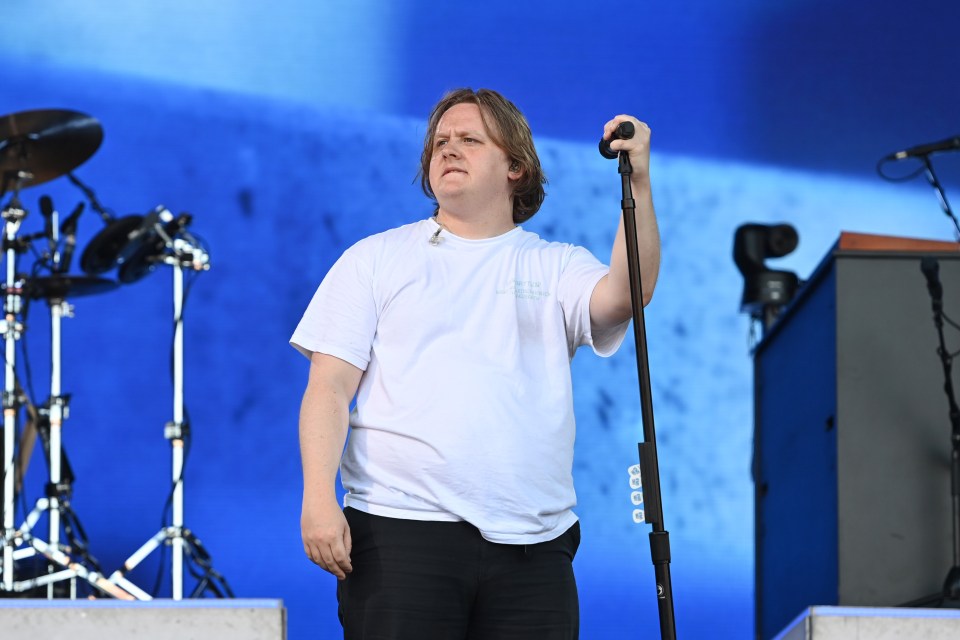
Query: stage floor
{"points": [[876, 623], [204, 619]]}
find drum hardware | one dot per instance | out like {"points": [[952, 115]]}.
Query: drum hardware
{"points": [[37, 146], [73, 558]]}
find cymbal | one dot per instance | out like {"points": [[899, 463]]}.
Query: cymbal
{"points": [[104, 249], [47, 143], [61, 287]]}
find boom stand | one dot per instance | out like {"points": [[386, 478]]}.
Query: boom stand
{"points": [[181, 539], [649, 468]]}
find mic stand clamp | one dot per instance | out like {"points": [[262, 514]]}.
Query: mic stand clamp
{"points": [[649, 468]]}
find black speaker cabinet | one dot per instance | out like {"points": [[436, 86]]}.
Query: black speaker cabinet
{"points": [[852, 434]]}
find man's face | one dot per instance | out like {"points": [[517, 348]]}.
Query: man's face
{"points": [[467, 166]]}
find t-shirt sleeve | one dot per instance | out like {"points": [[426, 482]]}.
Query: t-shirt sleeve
{"points": [[580, 275], [341, 319]]}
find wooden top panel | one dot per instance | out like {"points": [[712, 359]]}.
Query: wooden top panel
{"points": [[850, 241]]}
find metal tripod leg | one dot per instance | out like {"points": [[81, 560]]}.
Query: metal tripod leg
{"points": [[71, 570], [192, 548]]}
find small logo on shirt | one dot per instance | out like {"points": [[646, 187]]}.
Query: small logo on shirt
{"points": [[524, 290]]}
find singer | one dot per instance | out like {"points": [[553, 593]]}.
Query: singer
{"points": [[455, 335]]}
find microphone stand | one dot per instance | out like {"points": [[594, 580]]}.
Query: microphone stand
{"points": [[649, 467], [951, 585]]}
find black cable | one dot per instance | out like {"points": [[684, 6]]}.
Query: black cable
{"points": [[78, 538], [210, 577], [889, 178], [953, 324], [185, 434], [158, 582], [167, 506], [185, 437], [28, 399], [29, 392], [949, 321]]}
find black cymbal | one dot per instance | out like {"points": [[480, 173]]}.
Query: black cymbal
{"points": [[141, 256], [62, 287], [104, 249], [47, 143]]}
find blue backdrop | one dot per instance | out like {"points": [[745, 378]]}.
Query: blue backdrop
{"points": [[292, 129]]}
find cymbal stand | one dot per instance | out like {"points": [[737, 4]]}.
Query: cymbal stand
{"points": [[183, 541], [13, 215], [57, 501], [56, 504]]}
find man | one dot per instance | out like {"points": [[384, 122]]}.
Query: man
{"points": [[455, 334]]}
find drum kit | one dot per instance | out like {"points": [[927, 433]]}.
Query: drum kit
{"points": [[36, 147]]}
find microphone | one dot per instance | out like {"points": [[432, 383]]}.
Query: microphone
{"points": [[69, 230], [624, 131], [931, 269], [46, 209], [950, 144]]}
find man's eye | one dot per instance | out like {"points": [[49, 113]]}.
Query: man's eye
{"points": [[440, 143]]}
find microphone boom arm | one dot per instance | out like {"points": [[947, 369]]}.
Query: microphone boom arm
{"points": [[941, 194]]}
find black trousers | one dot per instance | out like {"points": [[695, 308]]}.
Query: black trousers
{"points": [[415, 580]]}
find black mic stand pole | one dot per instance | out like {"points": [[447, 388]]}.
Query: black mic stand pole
{"points": [[649, 468], [941, 194], [951, 586]]}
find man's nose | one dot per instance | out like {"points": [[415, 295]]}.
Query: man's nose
{"points": [[450, 150]]}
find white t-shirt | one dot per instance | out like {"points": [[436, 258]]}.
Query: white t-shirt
{"points": [[465, 407]]}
